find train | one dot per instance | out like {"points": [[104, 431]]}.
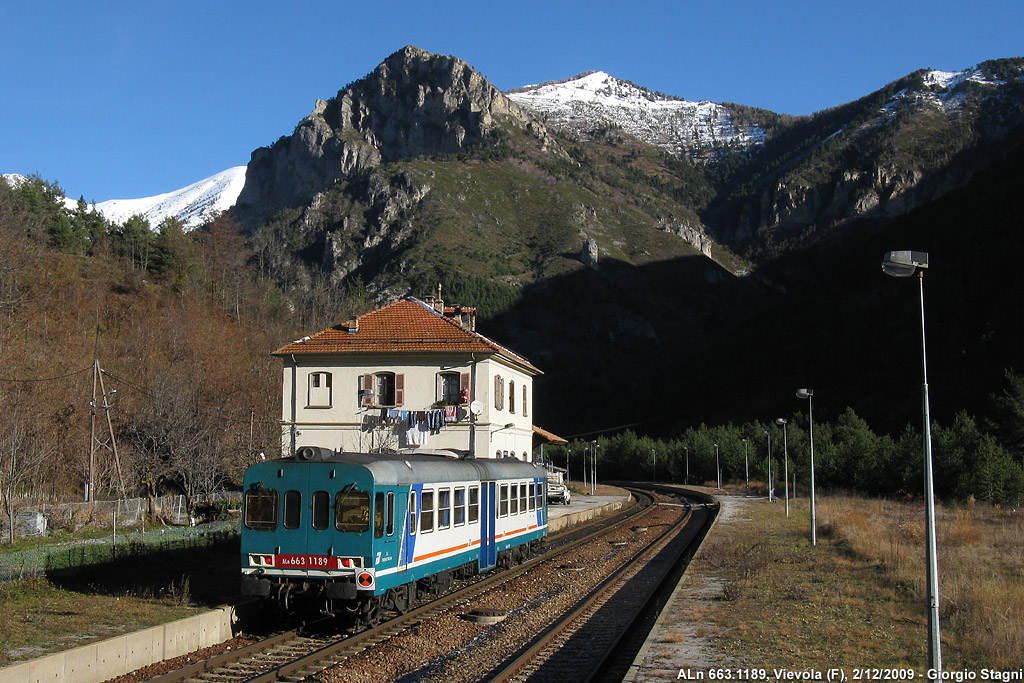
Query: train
{"points": [[357, 535]]}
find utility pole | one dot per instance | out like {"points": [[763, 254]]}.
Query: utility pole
{"points": [[97, 379]]}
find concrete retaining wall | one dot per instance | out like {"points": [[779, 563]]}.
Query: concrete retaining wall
{"points": [[106, 659], [556, 524]]}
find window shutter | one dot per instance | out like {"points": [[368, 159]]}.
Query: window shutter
{"points": [[524, 400], [399, 389], [464, 387], [366, 384], [497, 392]]}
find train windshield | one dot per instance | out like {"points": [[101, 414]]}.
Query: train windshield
{"points": [[261, 509], [352, 511]]}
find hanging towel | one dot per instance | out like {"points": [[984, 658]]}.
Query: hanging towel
{"points": [[449, 414]]}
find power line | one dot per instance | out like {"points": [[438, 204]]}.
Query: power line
{"points": [[45, 379]]}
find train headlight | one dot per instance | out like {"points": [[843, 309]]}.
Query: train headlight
{"points": [[256, 560]]}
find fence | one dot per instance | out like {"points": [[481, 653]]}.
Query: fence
{"points": [[130, 543], [37, 520]]}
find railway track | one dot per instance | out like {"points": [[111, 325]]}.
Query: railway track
{"points": [[409, 642]]}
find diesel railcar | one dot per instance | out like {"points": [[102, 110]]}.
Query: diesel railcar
{"points": [[361, 534]]}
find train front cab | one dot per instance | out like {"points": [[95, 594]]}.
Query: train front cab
{"points": [[307, 532]]}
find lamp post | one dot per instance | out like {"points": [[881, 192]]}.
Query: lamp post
{"points": [[908, 264], [654, 466], [593, 477], [718, 466], [809, 395], [746, 468], [782, 422], [686, 451], [771, 489]]}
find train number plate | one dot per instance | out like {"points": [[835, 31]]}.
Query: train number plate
{"points": [[307, 562]]}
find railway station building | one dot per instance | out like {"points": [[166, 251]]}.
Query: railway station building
{"points": [[412, 376]]}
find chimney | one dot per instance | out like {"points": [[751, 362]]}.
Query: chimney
{"points": [[352, 326], [438, 301]]}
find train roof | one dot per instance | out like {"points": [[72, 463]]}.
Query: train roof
{"points": [[401, 468]]}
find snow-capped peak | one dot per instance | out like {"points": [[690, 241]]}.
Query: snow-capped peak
{"points": [[594, 98], [192, 205]]}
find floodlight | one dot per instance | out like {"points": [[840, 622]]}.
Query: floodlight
{"points": [[904, 263]]}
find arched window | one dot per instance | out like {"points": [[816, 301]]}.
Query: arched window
{"points": [[382, 389], [319, 390]]}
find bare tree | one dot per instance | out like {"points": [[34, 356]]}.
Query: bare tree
{"points": [[22, 454]]}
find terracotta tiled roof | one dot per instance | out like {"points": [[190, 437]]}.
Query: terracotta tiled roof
{"points": [[405, 326], [548, 436]]}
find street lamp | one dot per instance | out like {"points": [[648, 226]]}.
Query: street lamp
{"points": [[771, 489], [686, 451], [809, 395], [593, 477], [654, 466], [718, 466], [746, 467], [908, 264], [782, 422]]}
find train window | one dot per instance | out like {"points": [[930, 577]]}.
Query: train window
{"points": [[522, 498], [427, 511], [444, 508], [261, 509], [503, 501], [352, 511], [412, 513], [389, 523], [292, 509], [474, 504], [514, 495], [533, 495], [460, 506], [321, 510], [378, 514]]}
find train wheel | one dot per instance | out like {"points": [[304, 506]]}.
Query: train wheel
{"points": [[371, 612], [397, 599]]}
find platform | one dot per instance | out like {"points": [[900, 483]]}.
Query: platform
{"points": [[584, 508]]}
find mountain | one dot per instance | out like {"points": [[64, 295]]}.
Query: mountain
{"points": [[193, 205], [414, 104], [656, 257], [875, 159], [595, 100]]}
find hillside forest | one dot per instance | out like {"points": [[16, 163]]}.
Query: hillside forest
{"points": [[181, 325]]}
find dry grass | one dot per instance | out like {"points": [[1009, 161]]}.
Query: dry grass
{"points": [[981, 567]]}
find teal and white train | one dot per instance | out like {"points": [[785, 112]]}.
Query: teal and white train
{"points": [[361, 534]]}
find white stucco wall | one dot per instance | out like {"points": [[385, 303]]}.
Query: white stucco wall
{"points": [[343, 425]]}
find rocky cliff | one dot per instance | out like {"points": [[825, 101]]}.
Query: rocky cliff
{"points": [[414, 104]]}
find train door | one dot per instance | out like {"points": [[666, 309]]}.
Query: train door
{"points": [[293, 484], [411, 525], [488, 521]]}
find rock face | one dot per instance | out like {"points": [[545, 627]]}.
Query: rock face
{"points": [[413, 104]]}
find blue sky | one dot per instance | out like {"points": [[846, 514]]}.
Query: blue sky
{"points": [[118, 100]]}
